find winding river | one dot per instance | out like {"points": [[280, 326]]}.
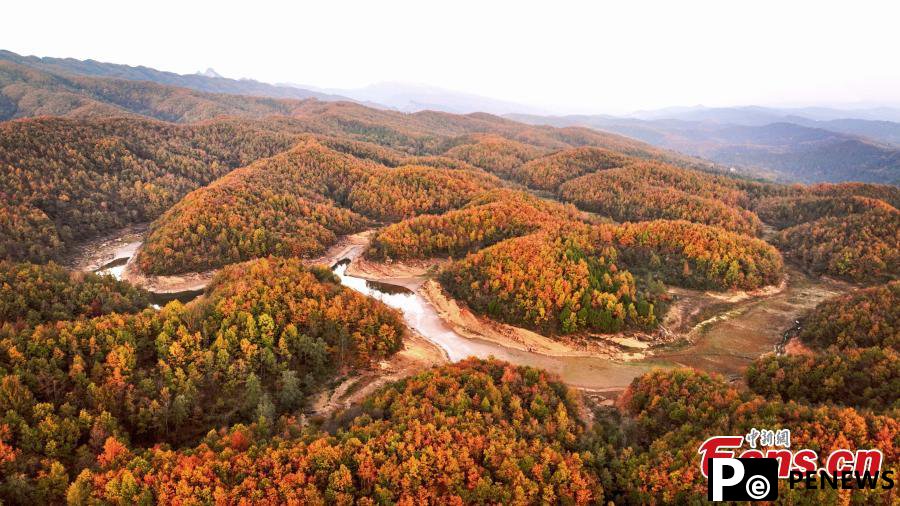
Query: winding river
{"points": [[584, 372], [115, 267], [727, 342]]}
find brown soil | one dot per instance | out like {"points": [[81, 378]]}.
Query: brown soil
{"points": [[96, 253], [409, 274], [693, 306], [467, 324], [726, 335], [417, 354], [166, 284], [349, 245]]}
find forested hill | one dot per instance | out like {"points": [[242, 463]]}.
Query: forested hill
{"points": [[87, 174], [62, 180], [197, 82], [26, 92], [789, 149], [73, 89], [569, 232]]}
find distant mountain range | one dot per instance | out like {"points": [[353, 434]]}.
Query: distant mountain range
{"points": [[881, 124], [780, 144], [396, 96], [30, 87], [803, 144], [416, 97], [27, 91], [209, 81]]}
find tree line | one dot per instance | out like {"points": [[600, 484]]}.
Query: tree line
{"points": [[266, 334]]}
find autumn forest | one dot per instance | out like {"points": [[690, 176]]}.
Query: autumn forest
{"points": [[277, 382]]}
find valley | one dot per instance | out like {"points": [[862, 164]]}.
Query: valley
{"points": [[715, 333], [284, 297]]}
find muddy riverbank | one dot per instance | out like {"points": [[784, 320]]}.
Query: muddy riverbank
{"points": [[107, 252], [715, 332], [725, 336], [417, 354], [718, 332]]}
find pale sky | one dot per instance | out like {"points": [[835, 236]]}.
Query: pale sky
{"points": [[565, 56]]}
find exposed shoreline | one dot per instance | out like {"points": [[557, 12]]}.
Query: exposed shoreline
{"points": [[417, 354], [100, 251], [717, 331], [416, 276]]}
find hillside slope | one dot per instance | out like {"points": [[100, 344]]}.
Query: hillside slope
{"points": [[832, 151], [197, 82]]}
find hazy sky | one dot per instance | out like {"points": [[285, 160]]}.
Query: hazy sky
{"points": [[567, 56]]}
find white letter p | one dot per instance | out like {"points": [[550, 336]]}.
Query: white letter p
{"points": [[718, 482]]}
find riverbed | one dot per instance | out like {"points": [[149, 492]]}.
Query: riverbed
{"points": [[724, 341], [584, 372]]}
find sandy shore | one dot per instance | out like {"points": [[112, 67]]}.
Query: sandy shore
{"points": [[467, 324], [417, 355], [411, 275], [166, 284], [93, 255], [416, 275], [347, 246]]}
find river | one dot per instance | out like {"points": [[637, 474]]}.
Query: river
{"points": [[726, 343], [583, 372], [117, 255]]}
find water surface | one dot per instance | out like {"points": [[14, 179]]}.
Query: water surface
{"points": [[586, 372]]}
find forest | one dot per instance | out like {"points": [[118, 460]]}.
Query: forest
{"points": [[649, 446], [491, 217], [106, 398], [860, 319], [65, 180], [649, 191], [543, 265], [606, 277], [495, 154], [540, 283], [861, 247], [296, 204], [479, 432], [265, 335], [550, 171], [696, 256], [35, 293], [555, 282], [847, 230], [854, 341], [473, 432]]}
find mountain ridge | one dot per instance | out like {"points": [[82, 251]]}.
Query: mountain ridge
{"points": [[201, 81], [785, 150]]}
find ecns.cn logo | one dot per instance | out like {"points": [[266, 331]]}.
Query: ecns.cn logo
{"points": [[748, 479]]}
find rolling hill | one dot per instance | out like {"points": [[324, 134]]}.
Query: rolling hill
{"points": [[282, 383], [206, 82], [816, 151]]}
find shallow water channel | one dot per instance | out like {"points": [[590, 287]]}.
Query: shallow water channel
{"points": [[585, 372], [725, 346], [116, 267]]}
